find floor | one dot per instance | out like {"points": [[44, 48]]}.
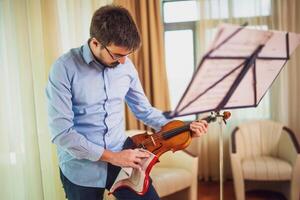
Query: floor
{"points": [[210, 191]]}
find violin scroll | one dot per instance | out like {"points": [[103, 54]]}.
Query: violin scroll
{"points": [[214, 115]]}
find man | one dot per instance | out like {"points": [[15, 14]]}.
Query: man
{"points": [[86, 90]]}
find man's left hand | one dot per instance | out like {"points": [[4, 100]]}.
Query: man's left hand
{"points": [[198, 128]]}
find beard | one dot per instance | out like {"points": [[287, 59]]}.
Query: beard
{"points": [[112, 65]]}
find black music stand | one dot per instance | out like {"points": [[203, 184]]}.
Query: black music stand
{"points": [[236, 72]]}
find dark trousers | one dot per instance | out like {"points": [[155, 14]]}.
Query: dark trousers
{"points": [[77, 192]]}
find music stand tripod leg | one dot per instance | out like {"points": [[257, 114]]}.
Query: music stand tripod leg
{"points": [[221, 159]]}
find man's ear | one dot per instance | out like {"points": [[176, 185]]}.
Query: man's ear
{"points": [[95, 42]]}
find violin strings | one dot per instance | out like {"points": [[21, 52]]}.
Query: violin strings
{"points": [[159, 136]]}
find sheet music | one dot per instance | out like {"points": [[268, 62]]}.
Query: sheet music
{"points": [[214, 71], [240, 44], [276, 45], [266, 72], [223, 69]]}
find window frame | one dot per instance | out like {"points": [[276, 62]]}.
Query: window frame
{"points": [[212, 23]]}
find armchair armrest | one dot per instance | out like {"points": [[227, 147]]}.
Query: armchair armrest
{"points": [[236, 167], [293, 138], [288, 147], [289, 150], [179, 159], [233, 140]]}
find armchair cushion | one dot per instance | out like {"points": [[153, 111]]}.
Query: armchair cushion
{"points": [[266, 168], [165, 180]]}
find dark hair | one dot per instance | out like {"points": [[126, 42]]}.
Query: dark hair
{"points": [[113, 24]]}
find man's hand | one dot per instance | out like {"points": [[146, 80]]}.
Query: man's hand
{"points": [[198, 128], [125, 158]]}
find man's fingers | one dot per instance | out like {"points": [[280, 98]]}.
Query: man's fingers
{"points": [[202, 122], [138, 157], [137, 161], [136, 166], [197, 133], [201, 127], [141, 154], [195, 126]]}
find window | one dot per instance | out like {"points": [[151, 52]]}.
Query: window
{"points": [[180, 11], [181, 18], [246, 8], [179, 24], [180, 61]]}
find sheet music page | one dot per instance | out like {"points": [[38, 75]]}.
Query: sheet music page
{"points": [[266, 72], [276, 46], [214, 72], [223, 68], [240, 44]]}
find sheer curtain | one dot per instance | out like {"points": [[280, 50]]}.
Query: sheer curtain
{"points": [[260, 14], [285, 104], [33, 34], [149, 60]]}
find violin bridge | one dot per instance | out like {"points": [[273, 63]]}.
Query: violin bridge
{"points": [[153, 140]]}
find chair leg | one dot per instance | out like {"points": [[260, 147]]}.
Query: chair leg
{"points": [[295, 182], [192, 192], [239, 190], [294, 193], [238, 179]]}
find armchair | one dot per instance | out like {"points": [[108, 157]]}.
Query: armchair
{"points": [[267, 154]]}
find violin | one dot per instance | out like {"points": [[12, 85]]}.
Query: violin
{"points": [[175, 135]]}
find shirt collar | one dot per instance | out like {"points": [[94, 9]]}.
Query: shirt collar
{"points": [[89, 57], [87, 53]]}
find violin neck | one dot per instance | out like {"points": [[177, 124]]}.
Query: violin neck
{"points": [[184, 128], [176, 131]]}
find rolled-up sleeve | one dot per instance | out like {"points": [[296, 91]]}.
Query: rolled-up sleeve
{"points": [[140, 106], [60, 116]]}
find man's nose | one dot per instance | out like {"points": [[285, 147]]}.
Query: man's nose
{"points": [[122, 60]]}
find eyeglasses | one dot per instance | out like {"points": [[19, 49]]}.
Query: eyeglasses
{"points": [[115, 56]]}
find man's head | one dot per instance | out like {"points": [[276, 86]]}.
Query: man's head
{"points": [[113, 34]]}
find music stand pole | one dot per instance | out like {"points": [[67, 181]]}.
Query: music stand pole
{"points": [[221, 160]]}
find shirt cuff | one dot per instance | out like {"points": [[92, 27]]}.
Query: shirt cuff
{"points": [[95, 152]]}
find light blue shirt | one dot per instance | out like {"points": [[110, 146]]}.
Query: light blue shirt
{"points": [[86, 112]]}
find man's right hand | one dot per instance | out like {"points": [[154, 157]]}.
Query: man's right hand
{"points": [[125, 158]]}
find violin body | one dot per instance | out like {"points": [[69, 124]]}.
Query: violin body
{"points": [[173, 136], [163, 141]]}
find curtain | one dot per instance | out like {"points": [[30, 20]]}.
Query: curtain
{"points": [[33, 33], [149, 60], [26, 152], [277, 104], [285, 105]]}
